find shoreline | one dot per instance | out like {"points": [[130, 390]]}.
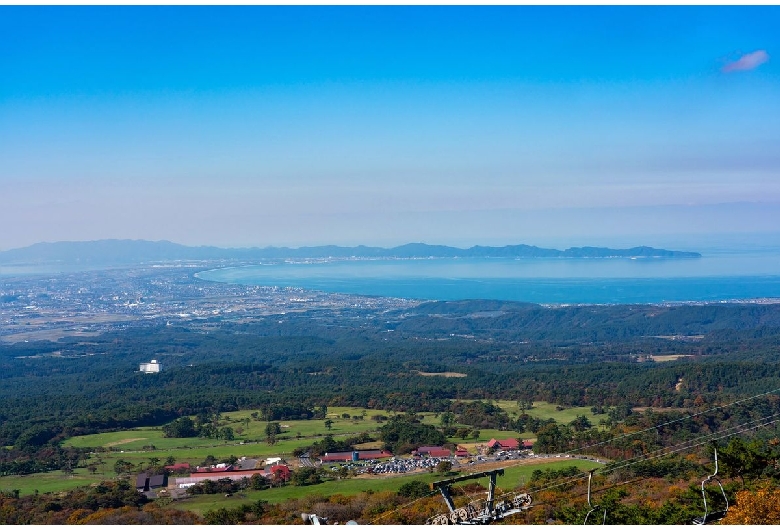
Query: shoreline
{"points": [[420, 288]]}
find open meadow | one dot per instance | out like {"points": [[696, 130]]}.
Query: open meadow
{"points": [[140, 446]]}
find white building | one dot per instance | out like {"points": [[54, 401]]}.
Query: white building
{"points": [[151, 368]]}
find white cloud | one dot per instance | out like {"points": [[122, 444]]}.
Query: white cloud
{"points": [[749, 61]]}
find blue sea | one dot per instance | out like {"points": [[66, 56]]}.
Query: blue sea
{"points": [[720, 275]]}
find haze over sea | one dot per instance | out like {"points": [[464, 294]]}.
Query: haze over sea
{"points": [[736, 272]]}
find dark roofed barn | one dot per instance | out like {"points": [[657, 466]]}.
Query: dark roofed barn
{"points": [[142, 482], [156, 481]]}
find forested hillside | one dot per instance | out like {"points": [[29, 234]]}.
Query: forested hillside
{"points": [[691, 364], [586, 355]]}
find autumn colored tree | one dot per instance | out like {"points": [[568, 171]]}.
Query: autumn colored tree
{"points": [[755, 507]]}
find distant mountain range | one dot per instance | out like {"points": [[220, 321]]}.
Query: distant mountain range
{"points": [[125, 251]]}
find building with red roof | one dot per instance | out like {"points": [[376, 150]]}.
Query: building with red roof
{"points": [[281, 471], [510, 444], [427, 449]]}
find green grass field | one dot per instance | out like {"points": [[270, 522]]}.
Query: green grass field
{"points": [[133, 445], [51, 482], [544, 410]]}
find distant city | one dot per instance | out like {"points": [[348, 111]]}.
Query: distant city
{"points": [[84, 304]]}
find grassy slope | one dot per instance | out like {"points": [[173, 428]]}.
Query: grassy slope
{"points": [[128, 445]]}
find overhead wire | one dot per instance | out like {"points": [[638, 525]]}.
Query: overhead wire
{"points": [[680, 447], [645, 457], [666, 451], [385, 514], [690, 444], [660, 425]]}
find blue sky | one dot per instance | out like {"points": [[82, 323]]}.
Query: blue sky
{"points": [[384, 125]]}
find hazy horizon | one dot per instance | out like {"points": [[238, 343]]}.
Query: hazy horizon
{"points": [[679, 241], [300, 126]]}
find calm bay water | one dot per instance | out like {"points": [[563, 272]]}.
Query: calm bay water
{"points": [[720, 275]]}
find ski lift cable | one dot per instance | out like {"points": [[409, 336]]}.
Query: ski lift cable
{"points": [[692, 446], [385, 514], [634, 480], [577, 477], [679, 448], [644, 456], [722, 435], [658, 426], [702, 440], [682, 447]]}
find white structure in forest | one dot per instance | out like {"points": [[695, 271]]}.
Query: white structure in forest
{"points": [[151, 368]]}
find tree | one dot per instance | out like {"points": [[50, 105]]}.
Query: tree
{"points": [[329, 424], [122, 466], [552, 438], [273, 427], [525, 404], [306, 476], [475, 434], [414, 490], [404, 432], [743, 459], [759, 507], [445, 466], [463, 433], [580, 423], [447, 419], [183, 427], [258, 482], [226, 433]]}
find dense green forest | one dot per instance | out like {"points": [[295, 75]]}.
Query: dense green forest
{"points": [[604, 357], [585, 355]]}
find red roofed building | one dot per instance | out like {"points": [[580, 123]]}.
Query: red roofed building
{"points": [[440, 453], [510, 444], [346, 456], [428, 448], [279, 472]]}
